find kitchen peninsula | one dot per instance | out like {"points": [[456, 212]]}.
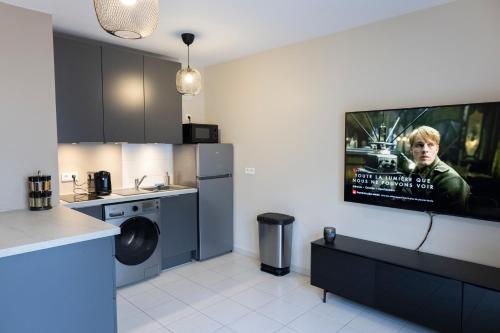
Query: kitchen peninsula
{"points": [[56, 272]]}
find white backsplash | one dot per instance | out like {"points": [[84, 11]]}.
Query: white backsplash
{"points": [[153, 160]]}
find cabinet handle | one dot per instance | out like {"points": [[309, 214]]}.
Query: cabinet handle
{"points": [[116, 214]]}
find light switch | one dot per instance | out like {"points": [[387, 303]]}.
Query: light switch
{"points": [[250, 171]]}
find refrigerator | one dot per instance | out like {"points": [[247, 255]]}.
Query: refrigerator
{"points": [[209, 167]]}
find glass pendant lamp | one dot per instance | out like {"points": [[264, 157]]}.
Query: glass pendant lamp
{"points": [[130, 19], [188, 80]]}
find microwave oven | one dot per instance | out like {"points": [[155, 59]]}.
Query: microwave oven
{"points": [[200, 133]]}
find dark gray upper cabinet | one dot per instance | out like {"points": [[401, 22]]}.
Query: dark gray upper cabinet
{"points": [[78, 91], [123, 95], [163, 104], [179, 216]]}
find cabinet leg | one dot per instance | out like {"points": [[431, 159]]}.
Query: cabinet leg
{"points": [[324, 295]]}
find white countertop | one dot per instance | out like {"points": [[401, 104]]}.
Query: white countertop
{"points": [[115, 198], [24, 231]]}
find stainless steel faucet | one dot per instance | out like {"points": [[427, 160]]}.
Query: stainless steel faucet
{"points": [[139, 182], [167, 179]]}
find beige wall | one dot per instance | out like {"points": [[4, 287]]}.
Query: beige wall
{"points": [[85, 157], [28, 133], [284, 112], [195, 105]]}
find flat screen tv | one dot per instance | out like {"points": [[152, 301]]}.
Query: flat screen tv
{"points": [[441, 159]]}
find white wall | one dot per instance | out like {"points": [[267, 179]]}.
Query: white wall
{"points": [[28, 133], [125, 162], [153, 160], [284, 112]]}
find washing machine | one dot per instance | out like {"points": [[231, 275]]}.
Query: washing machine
{"points": [[137, 247]]}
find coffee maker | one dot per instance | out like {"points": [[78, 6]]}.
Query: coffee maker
{"points": [[99, 182]]}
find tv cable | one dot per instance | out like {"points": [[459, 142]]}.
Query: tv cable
{"points": [[431, 216]]}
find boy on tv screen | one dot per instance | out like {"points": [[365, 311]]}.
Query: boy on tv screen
{"points": [[447, 189]]}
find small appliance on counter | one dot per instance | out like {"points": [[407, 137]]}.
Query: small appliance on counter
{"points": [[99, 183], [40, 192], [200, 133]]}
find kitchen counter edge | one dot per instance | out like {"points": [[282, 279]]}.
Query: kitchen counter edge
{"points": [[115, 198], [23, 231]]}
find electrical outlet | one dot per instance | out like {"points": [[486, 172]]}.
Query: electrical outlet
{"points": [[189, 118], [67, 177], [250, 171]]}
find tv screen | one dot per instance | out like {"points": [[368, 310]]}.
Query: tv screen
{"points": [[443, 159]]}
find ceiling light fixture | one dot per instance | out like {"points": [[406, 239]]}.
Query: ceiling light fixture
{"points": [[188, 80], [129, 19]]}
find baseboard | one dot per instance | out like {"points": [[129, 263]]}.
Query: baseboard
{"points": [[300, 270], [245, 252], [252, 254]]}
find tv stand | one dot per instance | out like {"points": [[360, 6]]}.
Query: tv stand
{"points": [[445, 294]]}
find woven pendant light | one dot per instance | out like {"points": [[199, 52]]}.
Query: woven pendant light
{"points": [[188, 80], [130, 19]]}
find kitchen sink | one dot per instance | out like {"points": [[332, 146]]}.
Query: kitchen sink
{"points": [[163, 188]]}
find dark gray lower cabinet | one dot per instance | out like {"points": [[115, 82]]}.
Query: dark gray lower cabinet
{"points": [[481, 310], [179, 216], [94, 211], [424, 298], [68, 288], [425, 288]]}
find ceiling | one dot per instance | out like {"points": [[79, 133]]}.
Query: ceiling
{"points": [[230, 29]]}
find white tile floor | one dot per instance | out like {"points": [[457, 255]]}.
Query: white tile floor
{"points": [[231, 294]]}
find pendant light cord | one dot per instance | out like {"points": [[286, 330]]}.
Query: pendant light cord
{"points": [[431, 216], [188, 56]]}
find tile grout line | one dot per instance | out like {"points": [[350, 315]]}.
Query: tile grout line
{"points": [[199, 311]]}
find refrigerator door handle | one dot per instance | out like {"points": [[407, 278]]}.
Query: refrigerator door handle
{"points": [[227, 175]]}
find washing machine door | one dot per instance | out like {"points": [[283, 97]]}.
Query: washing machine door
{"points": [[137, 241]]}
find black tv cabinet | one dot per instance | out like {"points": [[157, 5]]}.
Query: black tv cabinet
{"points": [[445, 294]]}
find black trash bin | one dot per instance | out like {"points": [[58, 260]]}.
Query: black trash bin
{"points": [[275, 242]]}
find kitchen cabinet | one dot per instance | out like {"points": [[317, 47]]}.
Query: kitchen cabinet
{"points": [[123, 95], [68, 288], [78, 90], [94, 211], [112, 94], [163, 104], [481, 309], [178, 228]]}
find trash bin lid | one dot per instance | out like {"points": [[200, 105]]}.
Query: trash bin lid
{"points": [[275, 218]]}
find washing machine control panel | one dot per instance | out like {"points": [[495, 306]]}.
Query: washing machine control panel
{"points": [[127, 209]]}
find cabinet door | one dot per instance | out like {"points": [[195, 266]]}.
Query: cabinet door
{"points": [[424, 298], [78, 91], [123, 95], [94, 211], [344, 274], [179, 216], [481, 310], [163, 104]]}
